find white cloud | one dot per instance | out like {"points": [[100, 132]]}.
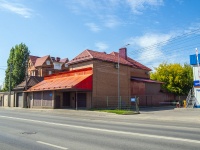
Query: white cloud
{"points": [[101, 46], [111, 21], [138, 5], [93, 27], [193, 28], [109, 12], [150, 46], [16, 8]]}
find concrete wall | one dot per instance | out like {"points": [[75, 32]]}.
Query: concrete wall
{"points": [[1, 99], [6, 101]]}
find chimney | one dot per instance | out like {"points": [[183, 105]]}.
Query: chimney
{"points": [[123, 52], [57, 59], [53, 58]]}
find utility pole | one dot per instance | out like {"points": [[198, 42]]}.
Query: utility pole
{"points": [[118, 83], [25, 95], [9, 97], [119, 98]]}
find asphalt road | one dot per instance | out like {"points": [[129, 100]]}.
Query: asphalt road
{"points": [[43, 130]]}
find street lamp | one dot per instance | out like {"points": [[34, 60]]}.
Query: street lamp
{"points": [[119, 98]]}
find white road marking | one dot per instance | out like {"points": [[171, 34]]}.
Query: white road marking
{"points": [[48, 144], [109, 131], [149, 125]]}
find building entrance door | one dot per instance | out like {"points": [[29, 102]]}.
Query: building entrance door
{"points": [[66, 99]]}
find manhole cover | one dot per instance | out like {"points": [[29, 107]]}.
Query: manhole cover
{"points": [[29, 132]]}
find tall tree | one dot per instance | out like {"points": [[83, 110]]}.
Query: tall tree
{"points": [[177, 78], [15, 72]]}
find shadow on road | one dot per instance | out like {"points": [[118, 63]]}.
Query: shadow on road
{"points": [[149, 109]]}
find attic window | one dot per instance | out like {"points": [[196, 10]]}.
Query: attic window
{"points": [[48, 62], [66, 65]]}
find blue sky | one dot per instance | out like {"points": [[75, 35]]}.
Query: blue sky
{"points": [[157, 30]]}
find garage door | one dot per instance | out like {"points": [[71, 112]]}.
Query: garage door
{"points": [[5, 100], [19, 100], [81, 99]]}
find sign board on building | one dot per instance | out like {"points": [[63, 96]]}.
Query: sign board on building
{"points": [[133, 99], [196, 83]]}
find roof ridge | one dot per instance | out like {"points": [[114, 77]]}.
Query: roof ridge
{"points": [[89, 52]]}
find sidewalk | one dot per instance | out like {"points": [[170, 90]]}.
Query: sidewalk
{"points": [[158, 114]]}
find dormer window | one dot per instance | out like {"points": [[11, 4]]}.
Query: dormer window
{"points": [[48, 62], [66, 65]]}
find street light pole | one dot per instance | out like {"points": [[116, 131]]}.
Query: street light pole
{"points": [[10, 84], [119, 98], [118, 83]]}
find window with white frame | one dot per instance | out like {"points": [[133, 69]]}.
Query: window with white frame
{"points": [[66, 65], [48, 62]]}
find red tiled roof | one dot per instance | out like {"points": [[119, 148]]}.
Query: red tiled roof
{"points": [[64, 60], [33, 58], [77, 79], [40, 61], [135, 63], [89, 55], [112, 57]]}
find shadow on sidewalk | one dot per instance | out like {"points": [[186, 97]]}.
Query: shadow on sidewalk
{"points": [[149, 109]]}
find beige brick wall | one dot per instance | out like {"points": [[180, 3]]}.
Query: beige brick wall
{"points": [[82, 65], [105, 79], [139, 73]]}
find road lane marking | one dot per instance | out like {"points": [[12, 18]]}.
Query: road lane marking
{"points": [[52, 145], [107, 130]]}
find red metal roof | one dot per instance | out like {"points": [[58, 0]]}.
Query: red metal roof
{"points": [[77, 79], [146, 80], [112, 57]]}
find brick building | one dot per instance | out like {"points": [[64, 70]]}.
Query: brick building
{"points": [[92, 82], [43, 66]]}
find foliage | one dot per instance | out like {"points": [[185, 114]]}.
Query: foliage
{"points": [[177, 78], [16, 66], [117, 111]]}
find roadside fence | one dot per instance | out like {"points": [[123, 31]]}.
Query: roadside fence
{"points": [[134, 101]]}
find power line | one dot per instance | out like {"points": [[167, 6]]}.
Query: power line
{"points": [[170, 40], [168, 51]]}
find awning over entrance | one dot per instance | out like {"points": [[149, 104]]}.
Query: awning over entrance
{"points": [[146, 80], [77, 80]]}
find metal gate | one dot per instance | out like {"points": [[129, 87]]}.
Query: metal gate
{"points": [[19, 102]]}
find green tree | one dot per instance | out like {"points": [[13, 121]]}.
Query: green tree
{"points": [[16, 63], [177, 78]]}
